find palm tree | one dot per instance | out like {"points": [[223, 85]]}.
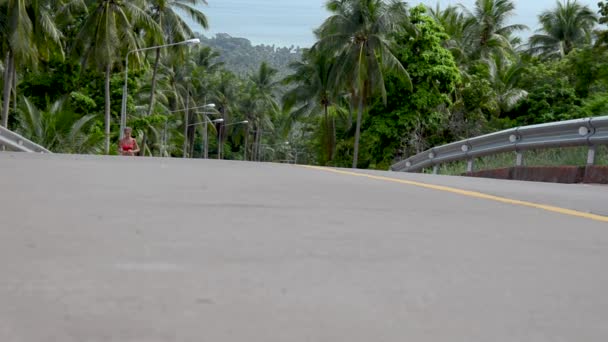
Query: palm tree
{"points": [[108, 32], [313, 92], [357, 34], [263, 88], [567, 26], [58, 128], [173, 27], [603, 34], [457, 26], [503, 76], [29, 33], [488, 30]]}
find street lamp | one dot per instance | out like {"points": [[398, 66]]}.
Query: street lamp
{"points": [[219, 136], [206, 121], [209, 105], [186, 111], [123, 111]]}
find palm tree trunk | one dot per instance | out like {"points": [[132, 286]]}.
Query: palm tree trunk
{"points": [[333, 150], [246, 143], [186, 122], [153, 89], [107, 114], [14, 89], [256, 145], [192, 135], [351, 104], [358, 132], [8, 81], [260, 151], [329, 132], [144, 140], [204, 138]]}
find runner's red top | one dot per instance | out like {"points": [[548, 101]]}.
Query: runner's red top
{"points": [[127, 145]]}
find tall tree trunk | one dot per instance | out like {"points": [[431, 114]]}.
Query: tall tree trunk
{"points": [[107, 114], [192, 132], [246, 143], [358, 132], [328, 133], [14, 88], [153, 84], [351, 105], [152, 97], [8, 81], [254, 144], [256, 147], [186, 122], [206, 139], [333, 125], [260, 150]]}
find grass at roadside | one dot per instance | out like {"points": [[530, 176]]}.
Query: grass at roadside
{"points": [[572, 156]]}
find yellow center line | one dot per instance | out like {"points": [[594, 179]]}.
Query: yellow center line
{"points": [[468, 193]]}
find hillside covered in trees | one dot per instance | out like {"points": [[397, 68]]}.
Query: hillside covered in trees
{"points": [[384, 80], [242, 58]]}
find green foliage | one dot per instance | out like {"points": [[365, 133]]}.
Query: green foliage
{"points": [[413, 116], [588, 70], [409, 78], [602, 39], [82, 103], [551, 96], [50, 83], [59, 128]]}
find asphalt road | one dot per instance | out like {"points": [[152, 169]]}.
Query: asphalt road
{"points": [[129, 249]]}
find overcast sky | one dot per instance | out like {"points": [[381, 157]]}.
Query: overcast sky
{"points": [[287, 22]]}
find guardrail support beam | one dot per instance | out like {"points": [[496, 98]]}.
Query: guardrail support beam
{"points": [[435, 169], [591, 155], [519, 159], [470, 165]]}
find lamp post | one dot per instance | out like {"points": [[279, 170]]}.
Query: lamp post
{"points": [[219, 136], [123, 110], [209, 105], [206, 121]]}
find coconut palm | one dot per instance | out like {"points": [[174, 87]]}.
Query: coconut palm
{"points": [[357, 34], [488, 31], [314, 87], [262, 90], [457, 26], [173, 27], [503, 76], [30, 34], [567, 26], [108, 33]]}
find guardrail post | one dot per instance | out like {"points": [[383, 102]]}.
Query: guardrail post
{"points": [[591, 155], [435, 169], [470, 165], [519, 159]]}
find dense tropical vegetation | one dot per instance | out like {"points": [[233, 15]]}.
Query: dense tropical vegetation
{"points": [[383, 80]]}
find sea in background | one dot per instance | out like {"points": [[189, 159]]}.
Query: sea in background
{"points": [[291, 22]]}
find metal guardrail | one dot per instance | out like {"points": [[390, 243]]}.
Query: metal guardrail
{"points": [[580, 132], [12, 141]]}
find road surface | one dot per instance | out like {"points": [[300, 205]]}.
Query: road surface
{"points": [[130, 249]]}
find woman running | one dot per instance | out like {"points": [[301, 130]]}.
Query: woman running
{"points": [[128, 145]]}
